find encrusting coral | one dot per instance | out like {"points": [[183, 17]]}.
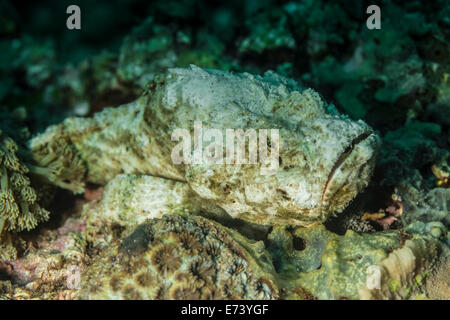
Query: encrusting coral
{"points": [[19, 207], [181, 257], [437, 285], [426, 212], [411, 272], [327, 265], [330, 266]]}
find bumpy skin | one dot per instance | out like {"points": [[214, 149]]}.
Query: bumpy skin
{"points": [[129, 200], [19, 207], [325, 158], [181, 257]]}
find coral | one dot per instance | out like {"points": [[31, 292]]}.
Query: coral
{"points": [[111, 78], [181, 257], [19, 207], [35, 58], [437, 285], [90, 86], [268, 31], [152, 48], [442, 176], [408, 271], [375, 73], [28, 66], [425, 206], [325, 158], [395, 80], [358, 225], [381, 265], [5, 290], [52, 267], [407, 151], [426, 212], [147, 51], [387, 218], [327, 265], [12, 123]]}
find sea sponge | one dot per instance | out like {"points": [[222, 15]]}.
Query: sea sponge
{"points": [[19, 208], [181, 257]]}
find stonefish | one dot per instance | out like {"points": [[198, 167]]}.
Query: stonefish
{"points": [[323, 159]]}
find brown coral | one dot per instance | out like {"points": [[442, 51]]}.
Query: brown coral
{"points": [[166, 259], [155, 262]]}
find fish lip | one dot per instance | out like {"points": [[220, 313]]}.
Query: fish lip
{"points": [[344, 155]]}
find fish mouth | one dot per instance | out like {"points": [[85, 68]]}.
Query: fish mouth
{"points": [[351, 172]]}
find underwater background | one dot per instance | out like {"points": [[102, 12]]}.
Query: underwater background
{"points": [[396, 79]]}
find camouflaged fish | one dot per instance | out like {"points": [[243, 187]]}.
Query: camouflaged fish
{"points": [[323, 159]]}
